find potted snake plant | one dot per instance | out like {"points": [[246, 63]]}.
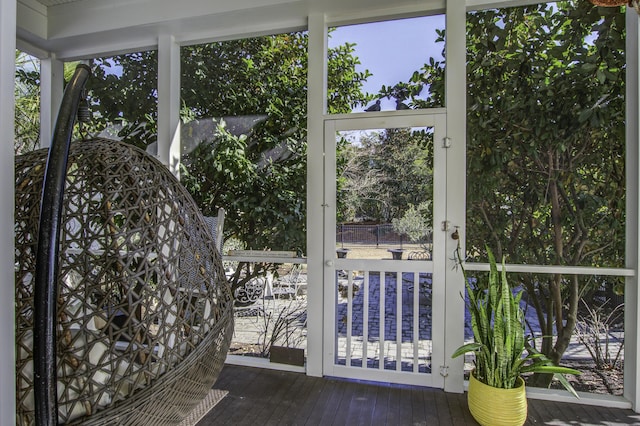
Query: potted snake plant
{"points": [[496, 394]]}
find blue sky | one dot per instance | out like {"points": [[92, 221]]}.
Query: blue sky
{"points": [[392, 50]]}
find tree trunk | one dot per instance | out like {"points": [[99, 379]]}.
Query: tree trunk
{"points": [[564, 318]]}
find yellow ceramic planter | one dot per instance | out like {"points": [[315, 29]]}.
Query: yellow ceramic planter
{"points": [[497, 407]]}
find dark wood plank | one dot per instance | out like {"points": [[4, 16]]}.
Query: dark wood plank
{"points": [[308, 395], [405, 415], [342, 408], [459, 410], [621, 416], [252, 398], [287, 404], [265, 397], [534, 415], [234, 380], [431, 407], [552, 411], [393, 405], [329, 410], [379, 414], [442, 408], [317, 407], [263, 393], [362, 405], [418, 407], [571, 410]]}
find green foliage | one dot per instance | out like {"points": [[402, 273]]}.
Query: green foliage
{"points": [[27, 103], [257, 172], [259, 176], [123, 97], [344, 82], [266, 77], [382, 172], [415, 223], [545, 146], [502, 353], [546, 133]]}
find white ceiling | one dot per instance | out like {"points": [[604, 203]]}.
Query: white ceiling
{"points": [[55, 2], [76, 29], [80, 29]]}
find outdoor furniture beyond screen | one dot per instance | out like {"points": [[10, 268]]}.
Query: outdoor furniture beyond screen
{"points": [[291, 284], [216, 225]]}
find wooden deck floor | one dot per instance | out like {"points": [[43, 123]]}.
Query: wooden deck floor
{"points": [[268, 397]]}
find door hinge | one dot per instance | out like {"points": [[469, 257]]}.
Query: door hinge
{"points": [[445, 225], [446, 142], [444, 370]]}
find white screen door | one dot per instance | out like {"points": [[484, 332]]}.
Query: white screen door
{"points": [[384, 255]]}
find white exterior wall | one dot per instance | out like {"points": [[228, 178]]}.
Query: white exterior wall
{"points": [[7, 179]]}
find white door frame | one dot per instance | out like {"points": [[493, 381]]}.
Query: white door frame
{"points": [[437, 266]]}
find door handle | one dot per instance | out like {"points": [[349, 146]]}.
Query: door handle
{"points": [[329, 263]]}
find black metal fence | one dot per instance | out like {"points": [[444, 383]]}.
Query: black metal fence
{"points": [[368, 234]]}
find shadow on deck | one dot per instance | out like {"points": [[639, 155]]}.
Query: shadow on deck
{"points": [[268, 397]]}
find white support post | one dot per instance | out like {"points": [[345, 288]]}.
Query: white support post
{"points": [[169, 103], [632, 293], [455, 102], [51, 89], [316, 107], [7, 184]]}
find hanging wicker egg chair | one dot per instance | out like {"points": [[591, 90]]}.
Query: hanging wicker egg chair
{"points": [[144, 312]]}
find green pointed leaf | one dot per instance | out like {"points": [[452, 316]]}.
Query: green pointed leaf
{"points": [[469, 347]]}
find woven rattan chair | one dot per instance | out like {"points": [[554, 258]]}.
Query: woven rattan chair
{"points": [[144, 314], [216, 225]]}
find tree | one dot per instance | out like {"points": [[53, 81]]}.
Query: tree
{"points": [[123, 96], [383, 171], [27, 103], [344, 82], [357, 182], [244, 113], [262, 77], [415, 223], [545, 119], [259, 173]]}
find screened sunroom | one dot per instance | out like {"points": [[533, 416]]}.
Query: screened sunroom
{"points": [[366, 154]]}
